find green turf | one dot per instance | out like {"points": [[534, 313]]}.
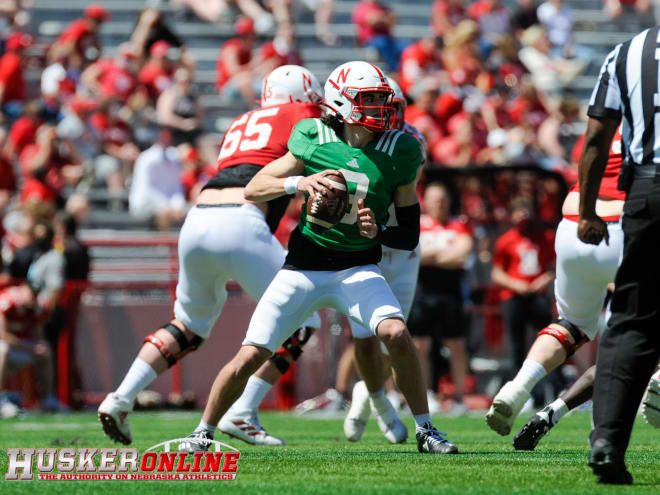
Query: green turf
{"points": [[317, 459]]}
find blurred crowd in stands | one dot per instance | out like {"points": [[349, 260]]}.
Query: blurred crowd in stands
{"points": [[489, 86]]}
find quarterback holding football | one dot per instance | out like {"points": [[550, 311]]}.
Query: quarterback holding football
{"points": [[336, 266]]}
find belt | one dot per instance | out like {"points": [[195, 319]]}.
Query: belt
{"points": [[221, 205], [645, 171]]}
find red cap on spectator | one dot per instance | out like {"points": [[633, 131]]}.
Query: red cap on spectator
{"points": [[97, 12], [244, 26], [159, 48], [18, 41]]}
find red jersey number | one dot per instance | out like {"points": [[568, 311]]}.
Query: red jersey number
{"points": [[251, 136]]}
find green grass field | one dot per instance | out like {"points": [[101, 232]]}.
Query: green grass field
{"points": [[317, 458]]}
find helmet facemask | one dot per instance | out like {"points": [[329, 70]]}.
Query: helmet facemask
{"points": [[371, 107]]}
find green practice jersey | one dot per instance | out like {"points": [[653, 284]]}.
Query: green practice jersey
{"points": [[391, 159]]}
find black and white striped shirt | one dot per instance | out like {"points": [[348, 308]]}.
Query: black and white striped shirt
{"points": [[629, 87]]}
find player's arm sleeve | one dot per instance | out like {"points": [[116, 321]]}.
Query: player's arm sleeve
{"points": [[605, 99], [406, 234], [301, 141]]}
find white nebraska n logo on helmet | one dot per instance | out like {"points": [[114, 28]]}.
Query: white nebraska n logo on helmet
{"points": [[341, 78]]}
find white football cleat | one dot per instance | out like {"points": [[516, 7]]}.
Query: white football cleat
{"points": [[506, 407], [651, 404], [8, 409], [113, 415], [247, 427], [358, 414], [394, 431], [388, 421], [329, 401]]}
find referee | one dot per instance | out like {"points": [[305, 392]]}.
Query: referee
{"points": [[628, 88]]}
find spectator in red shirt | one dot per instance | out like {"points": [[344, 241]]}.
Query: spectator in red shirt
{"points": [[81, 38], [234, 67], [282, 50], [421, 59], [195, 174], [461, 146], [420, 113], [113, 78], [523, 268], [156, 75], [51, 160], [23, 131], [374, 22], [12, 81]]}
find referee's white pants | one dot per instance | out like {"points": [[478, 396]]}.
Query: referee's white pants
{"points": [[217, 244], [361, 293], [583, 272]]}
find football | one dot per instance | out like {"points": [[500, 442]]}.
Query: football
{"points": [[324, 211]]}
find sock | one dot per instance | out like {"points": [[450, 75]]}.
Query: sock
{"points": [[559, 409], [139, 376], [255, 391], [529, 375], [422, 420], [203, 426], [382, 406]]}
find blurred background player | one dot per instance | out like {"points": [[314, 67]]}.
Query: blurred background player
{"points": [[337, 268], [583, 274], [224, 237], [522, 267]]}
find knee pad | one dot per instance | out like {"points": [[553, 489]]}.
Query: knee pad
{"points": [[185, 346], [293, 347], [578, 337]]}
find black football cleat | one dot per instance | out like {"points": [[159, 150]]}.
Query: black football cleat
{"points": [[608, 464], [534, 430], [431, 441]]}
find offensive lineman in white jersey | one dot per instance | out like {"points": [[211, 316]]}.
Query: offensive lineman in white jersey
{"points": [[225, 237], [583, 273]]}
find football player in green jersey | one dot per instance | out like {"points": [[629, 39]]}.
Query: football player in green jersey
{"points": [[337, 268]]}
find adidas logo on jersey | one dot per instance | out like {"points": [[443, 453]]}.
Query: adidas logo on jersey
{"points": [[353, 163]]}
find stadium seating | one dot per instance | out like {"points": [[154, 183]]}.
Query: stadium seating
{"points": [[593, 29]]}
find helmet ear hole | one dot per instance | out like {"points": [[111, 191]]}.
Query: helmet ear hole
{"points": [[338, 103]]}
